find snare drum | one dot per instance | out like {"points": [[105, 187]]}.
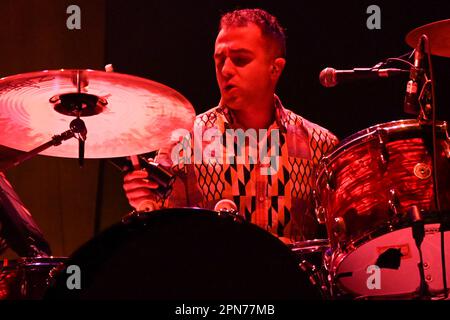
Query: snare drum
{"points": [[27, 278], [365, 190], [188, 253]]}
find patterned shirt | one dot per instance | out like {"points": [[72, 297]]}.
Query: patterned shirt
{"points": [[272, 190]]}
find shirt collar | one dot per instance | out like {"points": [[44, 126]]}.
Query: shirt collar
{"points": [[281, 119]]}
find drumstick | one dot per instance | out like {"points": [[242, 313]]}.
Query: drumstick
{"points": [[135, 162], [145, 205]]}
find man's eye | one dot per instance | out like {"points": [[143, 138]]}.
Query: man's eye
{"points": [[241, 61]]}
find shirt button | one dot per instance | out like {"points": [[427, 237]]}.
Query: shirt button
{"points": [[261, 199]]}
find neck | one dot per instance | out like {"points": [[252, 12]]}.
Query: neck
{"points": [[257, 116]]}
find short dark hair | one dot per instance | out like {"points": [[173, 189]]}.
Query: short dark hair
{"points": [[269, 25]]}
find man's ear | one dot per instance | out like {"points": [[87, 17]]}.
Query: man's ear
{"points": [[278, 67]]}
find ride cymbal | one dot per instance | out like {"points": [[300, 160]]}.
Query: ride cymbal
{"points": [[438, 34], [124, 114]]}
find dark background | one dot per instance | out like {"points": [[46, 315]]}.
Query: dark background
{"points": [[172, 42]]}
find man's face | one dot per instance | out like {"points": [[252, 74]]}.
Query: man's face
{"points": [[243, 66]]}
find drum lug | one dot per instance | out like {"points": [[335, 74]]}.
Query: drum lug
{"points": [[384, 154], [394, 203], [339, 227], [329, 176], [447, 149], [319, 210], [321, 213], [331, 181]]}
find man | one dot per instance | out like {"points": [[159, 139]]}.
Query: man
{"points": [[274, 192]]}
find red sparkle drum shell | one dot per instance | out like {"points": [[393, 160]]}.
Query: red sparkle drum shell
{"points": [[354, 186], [185, 253], [364, 190]]}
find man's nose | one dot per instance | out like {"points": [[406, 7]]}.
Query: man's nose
{"points": [[228, 69]]}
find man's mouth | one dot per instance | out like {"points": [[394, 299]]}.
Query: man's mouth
{"points": [[229, 87]]}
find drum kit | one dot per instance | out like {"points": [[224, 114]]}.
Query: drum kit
{"points": [[383, 195]]}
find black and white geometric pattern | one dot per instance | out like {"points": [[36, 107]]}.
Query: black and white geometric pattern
{"points": [[279, 202]]}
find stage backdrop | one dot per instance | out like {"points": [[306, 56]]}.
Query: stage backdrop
{"points": [[34, 36]]}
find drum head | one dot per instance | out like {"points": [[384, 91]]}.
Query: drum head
{"points": [[397, 257], [185, 254]]}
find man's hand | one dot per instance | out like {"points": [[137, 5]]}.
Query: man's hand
{"points": [[138, 188]]}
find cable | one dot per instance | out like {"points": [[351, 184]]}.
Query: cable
{"points": [[397, 59], [408, 54], [400, 60]]}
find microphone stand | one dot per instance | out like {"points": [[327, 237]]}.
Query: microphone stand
{"points": [[78, 127], [423, 102], [418, 232], [77, 130]]}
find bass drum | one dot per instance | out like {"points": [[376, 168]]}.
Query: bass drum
{"points": [[180, 254]]}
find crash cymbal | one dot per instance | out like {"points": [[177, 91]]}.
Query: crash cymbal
{"points": [[124, 114], [439, 35]]}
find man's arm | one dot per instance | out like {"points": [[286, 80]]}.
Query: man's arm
{"points": [[140, 189]]}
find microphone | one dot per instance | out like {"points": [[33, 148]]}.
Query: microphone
{"points": [[411, 102], [225, 205], [330, 77]]}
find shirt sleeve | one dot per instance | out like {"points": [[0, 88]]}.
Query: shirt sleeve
{"points": [[177, 157]]}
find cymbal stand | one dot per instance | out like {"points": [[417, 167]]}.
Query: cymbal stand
{"points": [[77, 130]]}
